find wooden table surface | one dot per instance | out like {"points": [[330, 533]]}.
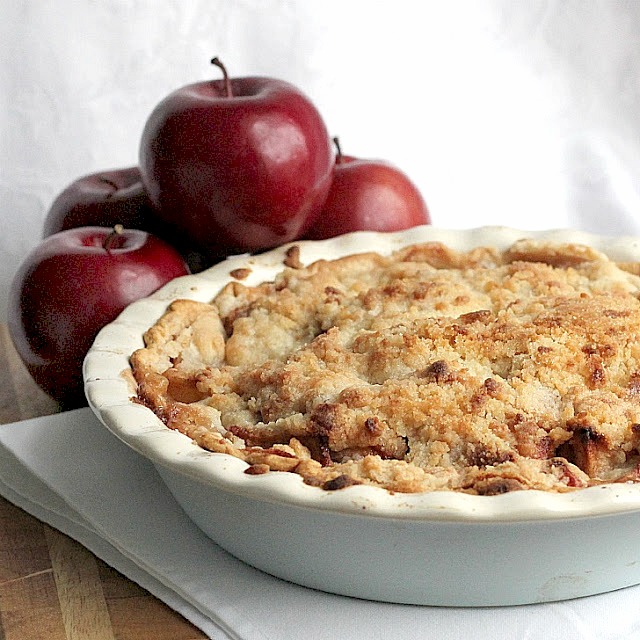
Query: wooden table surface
{"points": [[51, 587]]}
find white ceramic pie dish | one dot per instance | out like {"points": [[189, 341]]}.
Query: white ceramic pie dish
{"points": [[439, 548]]}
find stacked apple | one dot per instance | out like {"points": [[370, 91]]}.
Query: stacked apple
{"points": [[226, 166]]}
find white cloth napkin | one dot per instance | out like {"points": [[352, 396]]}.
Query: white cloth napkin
{"points": [[70, 472]]}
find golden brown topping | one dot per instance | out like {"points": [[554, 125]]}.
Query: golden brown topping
{"points": [[240, 274], [495, 486], [339, 482], [430, 369], [257, 469], [292, 257]]}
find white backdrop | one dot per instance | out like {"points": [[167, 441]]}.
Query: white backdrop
{"points": [[524, 113]]}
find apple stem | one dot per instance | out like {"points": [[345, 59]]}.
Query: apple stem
{"points": [[336, 142], [225, 76], [118, 230]]}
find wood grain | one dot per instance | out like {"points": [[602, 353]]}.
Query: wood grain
{"points": [[51, 587]]}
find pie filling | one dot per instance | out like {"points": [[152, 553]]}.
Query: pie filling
{"points": [[483, 372]]}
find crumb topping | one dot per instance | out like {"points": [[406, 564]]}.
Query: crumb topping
{"points": [[430, 369]]}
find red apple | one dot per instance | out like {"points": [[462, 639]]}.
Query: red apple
{"points": [[69, 287], [116, 196], [241, 164], [368, 195], [103, 199]]}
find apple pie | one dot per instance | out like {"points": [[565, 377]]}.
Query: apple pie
{"points": [[481, 371]]}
